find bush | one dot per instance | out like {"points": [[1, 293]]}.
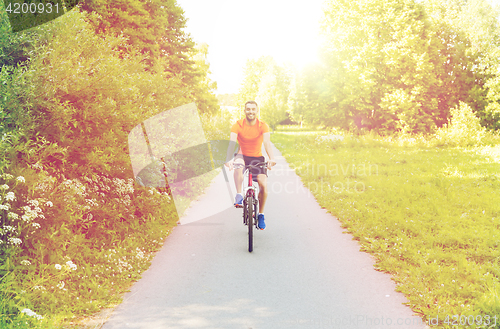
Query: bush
{"points": [[464, 128]]}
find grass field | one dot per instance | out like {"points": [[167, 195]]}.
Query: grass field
{"points": [[430, 216]]}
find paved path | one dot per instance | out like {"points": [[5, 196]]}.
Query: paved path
{"points": [[303, 273]]}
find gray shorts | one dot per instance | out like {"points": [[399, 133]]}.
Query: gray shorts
{"points": [[253, 160]]}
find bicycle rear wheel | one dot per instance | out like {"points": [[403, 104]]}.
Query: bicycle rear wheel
{"points": [[249, 219]]}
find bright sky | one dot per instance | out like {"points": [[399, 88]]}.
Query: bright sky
{"points": [[237, 30]]}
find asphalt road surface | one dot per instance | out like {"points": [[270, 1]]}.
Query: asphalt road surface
{"points": [[303, 273]]}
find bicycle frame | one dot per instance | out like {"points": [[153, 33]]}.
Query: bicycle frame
{"points": [[250, 188], [251, 195], [251, 185]]}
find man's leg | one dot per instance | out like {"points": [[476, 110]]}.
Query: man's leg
{"points": [[239, 164], [262, 180]]}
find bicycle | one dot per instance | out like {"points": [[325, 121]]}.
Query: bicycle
{"points": [[251, 201]]}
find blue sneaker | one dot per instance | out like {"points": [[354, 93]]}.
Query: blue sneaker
{"points": [[261, 225], [238, 202]]}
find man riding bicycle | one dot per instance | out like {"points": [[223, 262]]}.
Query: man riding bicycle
{"points": [[250, 133]]}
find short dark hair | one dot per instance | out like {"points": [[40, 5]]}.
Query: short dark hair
{"points": [[251, 102]]}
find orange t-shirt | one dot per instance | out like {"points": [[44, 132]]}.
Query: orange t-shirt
{"points": [[250, 137]]}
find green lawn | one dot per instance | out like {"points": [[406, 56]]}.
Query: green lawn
{"points": [[431, 216]]}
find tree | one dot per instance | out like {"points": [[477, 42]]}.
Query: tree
{"points": [[89, 95], [316, 98], [273, 95], [154, 27], [490, 117], [402, 65], [203, 89], [469, 35], [268, 84], [382, 58], [253, 72], [16, 89]]}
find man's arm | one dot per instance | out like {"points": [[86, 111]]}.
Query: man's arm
{"points": [[230, 150], [269, 150]]}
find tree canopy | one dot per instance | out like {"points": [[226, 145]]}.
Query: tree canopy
{"points": [[154, 27], [401, 65], [269, 85]]}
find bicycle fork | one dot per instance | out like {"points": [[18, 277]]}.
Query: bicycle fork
{"points": [[252, 191]]}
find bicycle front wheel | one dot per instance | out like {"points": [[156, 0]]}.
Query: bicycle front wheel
{"points": [[250, 223]]}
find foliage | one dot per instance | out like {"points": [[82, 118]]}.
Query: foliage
{"points": [[155, 30], [491, 116], [204, 88], [469, 34], [429, 215], [16, 90], [463, 129], [313, 104], [268, 84], [217, 127], [76, 230], [253, 72], [400, 66], [154, 27], [382, 58], [273, 96], [13, 47], [90, 95]]}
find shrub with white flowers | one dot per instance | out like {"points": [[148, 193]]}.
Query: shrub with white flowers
{"points": [[32, 314], [12, 225], [10, 196], [71, 265]]}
